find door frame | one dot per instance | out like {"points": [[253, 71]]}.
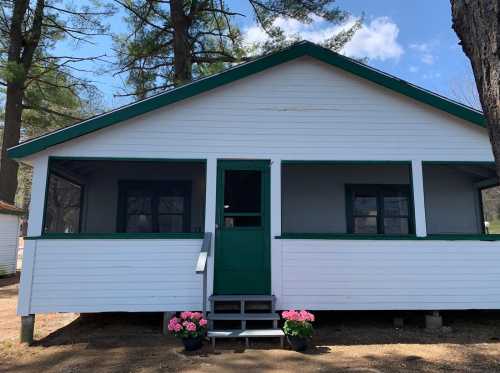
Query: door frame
{"points": [[247, 164]]}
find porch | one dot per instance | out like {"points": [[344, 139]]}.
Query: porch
{"points": [[125, 235]]}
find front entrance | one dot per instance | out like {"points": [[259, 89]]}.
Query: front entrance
{"points": [[242, 242]]}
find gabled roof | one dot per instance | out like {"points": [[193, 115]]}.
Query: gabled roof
{"points": [[300, 49]]}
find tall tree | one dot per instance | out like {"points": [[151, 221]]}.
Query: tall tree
{"points": [[477, 24], [29, 32], [173, 41]]}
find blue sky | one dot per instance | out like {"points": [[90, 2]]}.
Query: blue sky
{"points": [[410, 39]]}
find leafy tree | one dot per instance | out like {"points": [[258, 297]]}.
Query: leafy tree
{"points": [[172, 42], [40, 85], [477, 24]]}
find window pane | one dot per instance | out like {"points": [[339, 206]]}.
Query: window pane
{"points": [[241, 221], [139, 202], [242, 191], [366, 225], [491, 209], [170, 223], [396, 226], [395, 206], [63, 206], [139, 223], [171, 205], [365, 205]]}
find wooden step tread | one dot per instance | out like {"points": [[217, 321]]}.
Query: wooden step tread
{"points": [[243, 316], [248, 333], [243, 297]]}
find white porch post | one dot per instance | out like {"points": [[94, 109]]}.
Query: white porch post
{"points": [[418, 198], [34, 229], [276, 245], [210, 201]]}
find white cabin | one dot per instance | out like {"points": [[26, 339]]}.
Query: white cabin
{"points": [[9, 237], [324, 182]]}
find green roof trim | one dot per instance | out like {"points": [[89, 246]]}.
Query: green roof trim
{"points": [[300, 49]]}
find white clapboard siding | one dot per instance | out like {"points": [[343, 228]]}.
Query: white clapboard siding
{"points": [[303, 109], [386, 274], [9, 235], [116, 275]]}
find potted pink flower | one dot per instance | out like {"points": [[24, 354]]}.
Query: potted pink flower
{"points": [[191, 327], [298, 328]]}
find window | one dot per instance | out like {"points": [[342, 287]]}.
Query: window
{"points": [[378, 209], [490, 202], [242, 198], [154, 207], [62, 212]]}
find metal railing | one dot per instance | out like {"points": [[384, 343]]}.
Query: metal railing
{"points": [[201, 266]]}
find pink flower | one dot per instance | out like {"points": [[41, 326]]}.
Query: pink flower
{"points": [[306, 316], [191, 326], [177, 327], [186, 315], [301, 316], [172, 324], [196, 315], [203, 322]]}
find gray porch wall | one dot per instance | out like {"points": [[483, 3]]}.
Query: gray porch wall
{"points": [[314, 196], [101, 190], [451, 200]]}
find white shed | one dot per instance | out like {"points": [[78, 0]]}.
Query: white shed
{"points": [[9, 235]]}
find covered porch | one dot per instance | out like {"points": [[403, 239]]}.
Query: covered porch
{"points": [[126, 234]]}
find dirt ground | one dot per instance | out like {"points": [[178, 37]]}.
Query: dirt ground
{"points": [[344, 342]]}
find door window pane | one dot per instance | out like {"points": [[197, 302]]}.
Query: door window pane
{"points": [[242, 221], [242, 191], [171, 205], [62, 213]]}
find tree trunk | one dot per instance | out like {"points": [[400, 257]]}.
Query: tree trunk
{"points": [[20, 57], [182, 48], [13, 103], [476, 23]]}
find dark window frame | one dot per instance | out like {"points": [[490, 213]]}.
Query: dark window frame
{"points": [[82, 199], [157, 187], [481, 206], [379, 190]]}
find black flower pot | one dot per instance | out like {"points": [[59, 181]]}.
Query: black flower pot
{"points": [[297, 343], [192, 344]]}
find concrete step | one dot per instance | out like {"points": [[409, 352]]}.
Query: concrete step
{"points": [[243, 316], [248, 333]]}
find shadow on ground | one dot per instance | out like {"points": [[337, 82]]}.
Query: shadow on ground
{"points": [[344, 341]]}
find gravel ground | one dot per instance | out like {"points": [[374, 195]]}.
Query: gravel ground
{"points": [[344, 342]]}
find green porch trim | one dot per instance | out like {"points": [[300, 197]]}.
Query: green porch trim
{"points": [[117, 236], [345, 236], [129, 159], [243, 70], [341, 163], [459, 163]]}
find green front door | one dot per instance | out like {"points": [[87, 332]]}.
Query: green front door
{"points": [[242, 242]]}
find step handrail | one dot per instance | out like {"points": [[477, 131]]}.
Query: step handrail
{"points": [[201, 266]]}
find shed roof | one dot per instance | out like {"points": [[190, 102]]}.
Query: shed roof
{"points": [[243, 70]]}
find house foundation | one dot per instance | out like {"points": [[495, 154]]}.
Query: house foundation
{"points": [[27, 329]]}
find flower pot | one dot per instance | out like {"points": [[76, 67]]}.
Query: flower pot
{"points": [[297, 343], [192, 344]]}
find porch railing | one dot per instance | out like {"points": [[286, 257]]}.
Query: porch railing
{"points": [[201, 266]]}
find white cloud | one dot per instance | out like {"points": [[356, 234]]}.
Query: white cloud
{"points": [[425, 51], [413, 69], [376, 40]]}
